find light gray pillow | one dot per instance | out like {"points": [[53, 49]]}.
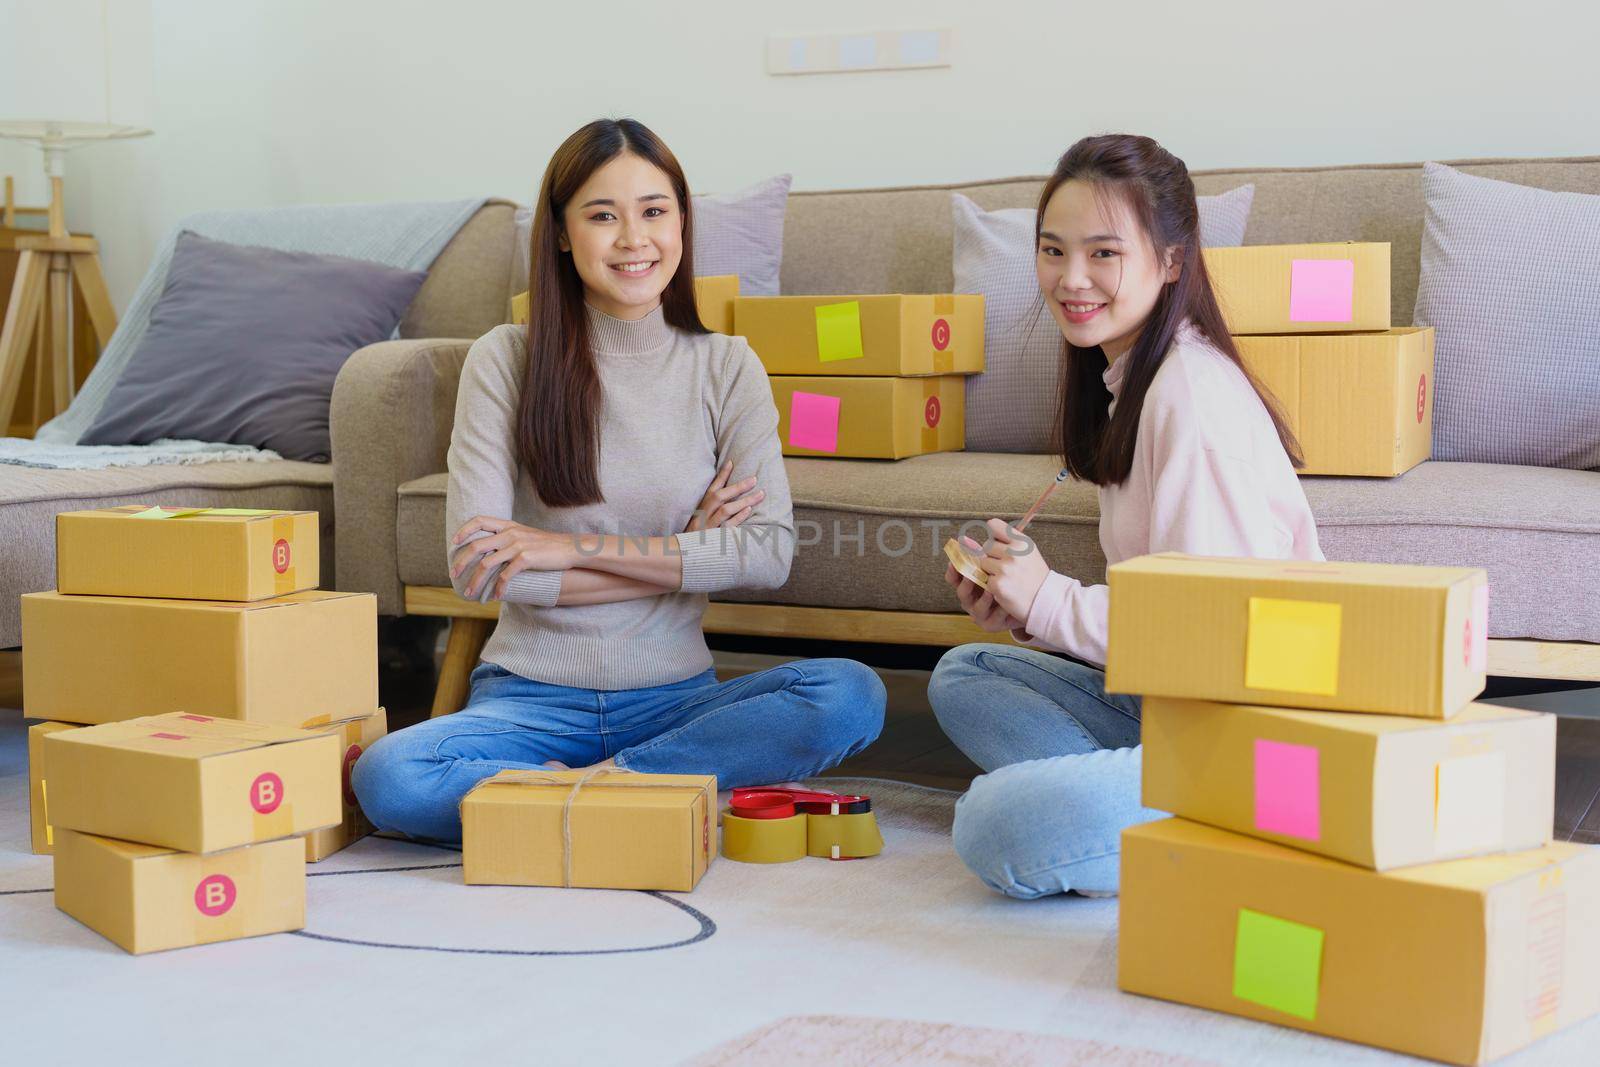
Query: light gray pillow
{"points": [[1511, 283], [245, 343], [734, 233], [1011, 406]]}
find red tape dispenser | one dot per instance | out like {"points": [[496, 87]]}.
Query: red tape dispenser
{"points": [[779, 825]]}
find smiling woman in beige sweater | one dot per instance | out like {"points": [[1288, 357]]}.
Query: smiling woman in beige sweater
{"points": [[610, 465]]}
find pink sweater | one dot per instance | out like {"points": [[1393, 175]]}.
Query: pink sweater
{"points": [[1209, 478]]}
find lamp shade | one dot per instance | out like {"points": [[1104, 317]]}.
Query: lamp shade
{"points": [[73, 70]]}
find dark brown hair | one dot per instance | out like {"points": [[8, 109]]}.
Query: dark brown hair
{"points": [[1157, 188], [558, 414]]}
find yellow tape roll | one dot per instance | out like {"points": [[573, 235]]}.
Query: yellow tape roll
{"points": [[843, 836], [763, 840]]}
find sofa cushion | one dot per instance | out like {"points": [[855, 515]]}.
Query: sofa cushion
{"points": [[1536, 531], [31, 497]]}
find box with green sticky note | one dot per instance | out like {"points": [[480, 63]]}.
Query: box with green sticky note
{"points": [[887, 335], [1463, 961], [187, 553], [1381, 791], [1383, 638]]}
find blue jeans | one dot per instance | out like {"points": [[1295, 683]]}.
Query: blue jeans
{"points": [[784, 723], [1064, 767]]}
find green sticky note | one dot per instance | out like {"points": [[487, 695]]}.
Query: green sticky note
{"points": [[1277, 964], [839, 331]]}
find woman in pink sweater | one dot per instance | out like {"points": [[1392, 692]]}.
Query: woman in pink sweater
{"points": [[1190, 455]]}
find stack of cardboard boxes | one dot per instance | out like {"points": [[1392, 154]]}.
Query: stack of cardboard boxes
{"points": [[874, 377], [1314, 875], [182, 649], [1311, 322]]}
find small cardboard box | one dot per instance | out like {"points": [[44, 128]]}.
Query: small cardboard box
{"points": [[303, 659], [186, 553], [1462, 961], [628, 831], [870, 418], [1379, 791], [148, 899], [888, 335], [713, 296], [42, 833], [193, 782], [355, 737], [1316, 288], [1360, 403], [1375, 637]]}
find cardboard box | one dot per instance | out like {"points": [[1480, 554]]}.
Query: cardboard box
{"points": [[628, 831], [42, 833], [1315, 288], [888, 335], [303, 659], [713, 295], [1462, 961], [187, 553], [192, 782], [355, 737], [1360, 403], [871, 418], [1375, 637], [1379, 791], [148, 899]]}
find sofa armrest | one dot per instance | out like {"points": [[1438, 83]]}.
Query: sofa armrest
{"points": [[393, 405]]}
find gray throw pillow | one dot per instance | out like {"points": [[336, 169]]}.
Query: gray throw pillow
{"points": [[1011, 406], [245, 343], [1511, 284]]}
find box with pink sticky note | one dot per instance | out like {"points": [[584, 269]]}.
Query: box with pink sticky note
{"points": [[1314, 288], [870, 418]]}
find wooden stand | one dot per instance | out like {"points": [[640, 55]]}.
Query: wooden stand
{"points": [[38, 315]]}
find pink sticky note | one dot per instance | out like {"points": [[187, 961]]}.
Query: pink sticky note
{"points": [[1478, 631], [1288, 789], [1322, 290], [814, 422]]}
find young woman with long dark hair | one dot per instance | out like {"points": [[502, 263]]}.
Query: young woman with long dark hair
{"points": [[610, 465], [1189, 454]]}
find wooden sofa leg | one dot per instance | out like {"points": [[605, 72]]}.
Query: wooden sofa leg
{"points": [[461, 652]]}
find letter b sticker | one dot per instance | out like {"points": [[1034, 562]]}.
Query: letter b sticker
{"points": [[266, 793]]}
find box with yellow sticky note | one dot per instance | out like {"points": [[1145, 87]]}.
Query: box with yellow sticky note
{"points": [[1372, 637], [870, 418], [302, 659], [1380, 791], [193, 782], [1462, 961], [355, 737], [886, 335], [713, 296], [1310, 288], [243, 554]]}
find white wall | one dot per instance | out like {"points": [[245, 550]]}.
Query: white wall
{"points": [[259, 102]]}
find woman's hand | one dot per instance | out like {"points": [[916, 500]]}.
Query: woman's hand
{"points": [[520, 548], [724, 504], [1015, 567], [977, 601]]}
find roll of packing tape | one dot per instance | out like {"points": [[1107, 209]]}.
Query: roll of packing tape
{"points": [[764, 840], [843, 837]]}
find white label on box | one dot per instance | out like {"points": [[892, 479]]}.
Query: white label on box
{"points": [[1469, 810]]}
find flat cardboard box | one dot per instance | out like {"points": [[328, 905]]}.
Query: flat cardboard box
{"points": [[303, 659], [355, 737], [629, 831], [1360, 403], [875, 336], [1379, 791], [192, 782], [1382, 638], [870, 418], [1462, 961], [149, 899], [42, 833], [1314, 288], [713, 295], [186, 553]]}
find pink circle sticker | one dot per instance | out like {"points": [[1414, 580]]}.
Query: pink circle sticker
{"points": [[1422, 396], [930, 412], [215, 895], [941, 334], [266, 793], [280, 555], [351, 754]]}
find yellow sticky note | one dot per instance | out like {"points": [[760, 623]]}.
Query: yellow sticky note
{"points": [[839, 331], [1293, 646]]}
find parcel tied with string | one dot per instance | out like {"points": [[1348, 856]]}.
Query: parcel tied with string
{"points": [[606, 829]]}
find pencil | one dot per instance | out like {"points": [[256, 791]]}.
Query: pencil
{"points": [[1038, 504]]}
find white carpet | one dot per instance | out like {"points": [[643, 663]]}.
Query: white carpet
{"points": [[568, 976]]}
